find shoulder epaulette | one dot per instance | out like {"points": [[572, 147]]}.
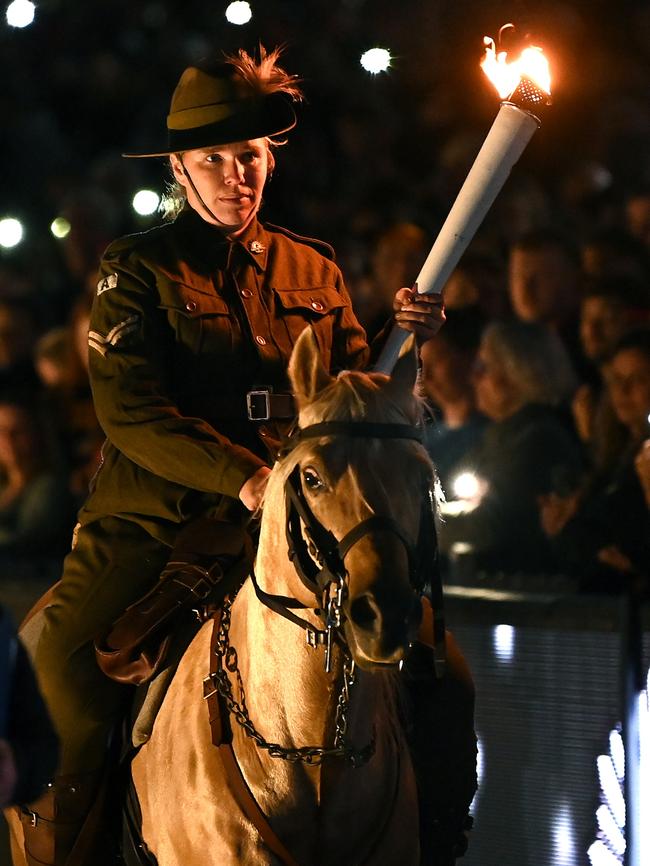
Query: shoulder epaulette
{"points": [[321, 247], [133, 241]]}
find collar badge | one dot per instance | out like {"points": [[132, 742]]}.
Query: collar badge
{"points": [[256, 247]]}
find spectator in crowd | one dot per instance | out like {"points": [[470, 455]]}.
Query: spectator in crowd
{"points": [[477, 281], [637, 215], [609, 308], [56, 361], [93, 223], [600, 528], [35, 511], [543, 286], [68, 400], [614, 253], [28, 743], [395, 260], [522, 373], [642, 467], [447, 365], [17, 339]]}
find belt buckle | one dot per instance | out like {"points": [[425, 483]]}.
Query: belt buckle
{"points": [[258, 405]]}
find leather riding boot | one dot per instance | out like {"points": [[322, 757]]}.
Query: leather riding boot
{"points": [[53, 824]]}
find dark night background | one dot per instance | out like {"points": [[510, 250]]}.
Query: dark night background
{"points": [[88, 80]]}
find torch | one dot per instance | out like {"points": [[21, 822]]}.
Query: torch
{"points": [[524, 87]]}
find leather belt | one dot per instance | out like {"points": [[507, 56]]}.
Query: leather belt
{"points": [[260, 404], [264, 405]]}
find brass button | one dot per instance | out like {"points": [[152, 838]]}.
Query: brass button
{"points": [[260, 340], [246, 293], [316, 305], [190, 306]]}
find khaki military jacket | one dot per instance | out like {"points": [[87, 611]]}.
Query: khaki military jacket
{"points": [[183, 325]]}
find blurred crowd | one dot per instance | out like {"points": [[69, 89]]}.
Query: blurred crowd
{"points": [[538, 386]]}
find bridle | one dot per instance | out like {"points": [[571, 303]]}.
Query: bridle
{"points": [[319, 557], [319, 560]]}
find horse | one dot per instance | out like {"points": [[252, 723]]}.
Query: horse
{"points": [[305, 711]]}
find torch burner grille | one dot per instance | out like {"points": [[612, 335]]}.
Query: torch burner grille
{"points": [[527, 94]]}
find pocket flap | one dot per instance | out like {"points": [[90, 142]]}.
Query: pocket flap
{"points": [[318, 299], [192, 303]]}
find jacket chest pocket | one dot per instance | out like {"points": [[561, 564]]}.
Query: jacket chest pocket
{"points": [[203, 323], [317, 306]]}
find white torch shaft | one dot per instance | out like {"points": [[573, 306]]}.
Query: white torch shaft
{"points": [[505, 142]]}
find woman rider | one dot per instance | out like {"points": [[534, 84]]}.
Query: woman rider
{"points": [[189, 320]]}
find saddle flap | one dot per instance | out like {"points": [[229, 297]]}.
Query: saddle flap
{"points": [[211, 557]]}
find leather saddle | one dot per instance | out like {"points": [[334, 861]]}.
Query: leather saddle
{"points": [[209, 561]]}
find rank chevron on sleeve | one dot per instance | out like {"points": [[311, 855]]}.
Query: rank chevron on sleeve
{"points": [[103, 344]]}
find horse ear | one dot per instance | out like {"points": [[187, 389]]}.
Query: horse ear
{"points": [[405, 371], [306, 370]]}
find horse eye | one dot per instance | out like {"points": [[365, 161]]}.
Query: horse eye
{"points": [[312, 479]]}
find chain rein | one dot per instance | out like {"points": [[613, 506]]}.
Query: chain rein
{"points": [[311, 755]]}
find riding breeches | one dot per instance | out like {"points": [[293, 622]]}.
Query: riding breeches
{"points": [[113, 563]]}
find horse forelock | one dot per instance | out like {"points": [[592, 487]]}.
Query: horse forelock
{"points": [[357, 396]]}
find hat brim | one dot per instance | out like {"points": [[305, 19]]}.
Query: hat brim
{"points": [[269, 116]]}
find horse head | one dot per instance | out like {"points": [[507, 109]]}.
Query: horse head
{"points": [[364, 498]]}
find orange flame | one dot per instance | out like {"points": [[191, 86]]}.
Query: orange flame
{"points": [[506, 75]]}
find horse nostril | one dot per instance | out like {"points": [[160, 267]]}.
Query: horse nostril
{"points": [[364, 612]]}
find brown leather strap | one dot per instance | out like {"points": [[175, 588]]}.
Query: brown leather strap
{"points": [[222, 739], [212, 698], [432, 634], [259, 405], [249, 806]]}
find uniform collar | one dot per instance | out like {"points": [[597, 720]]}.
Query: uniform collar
{"points": [[254, 243], [205, 242]]}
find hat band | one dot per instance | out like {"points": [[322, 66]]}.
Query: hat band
{"points": [[191, 118]]}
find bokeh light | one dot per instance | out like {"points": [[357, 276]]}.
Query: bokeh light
{"points": [[239, 12], [60, 228], [20, 13], [11, 232], [145, 202], [465, 485], [376, 60]]}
